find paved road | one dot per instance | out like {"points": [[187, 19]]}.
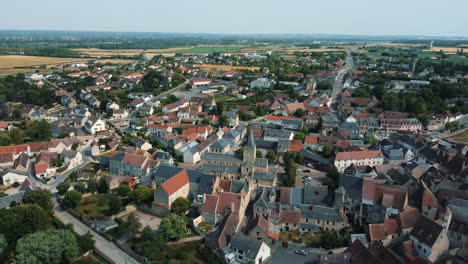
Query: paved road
{"points": [[287, 255], [102, 244]]}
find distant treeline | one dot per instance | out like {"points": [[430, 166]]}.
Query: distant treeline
{"points": [[46, 51]]}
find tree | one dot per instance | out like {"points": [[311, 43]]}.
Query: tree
{"points": [[299, 113], [141, 194], [115, 203], [63, 187], [52, 246], [22, 220], [223, 121], [180, 205], [80, 187], [371, 139], [92, 185], [41, 198], [3, 245], [173, 227], [271, 156], [85, 242], [123, 190], [102, 186], [131, 226], [72, 198]]}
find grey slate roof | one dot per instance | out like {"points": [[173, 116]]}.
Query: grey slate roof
{"points": [[322, 213], [249, 245], [6, 200], [352, 185], [222, 156]]}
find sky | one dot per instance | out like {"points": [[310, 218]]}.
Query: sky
{"points": [[350, 17]]}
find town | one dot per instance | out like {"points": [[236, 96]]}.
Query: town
{"points": [[331, 151]]}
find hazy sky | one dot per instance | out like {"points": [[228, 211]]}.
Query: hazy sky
{"points": [[370, 17]]}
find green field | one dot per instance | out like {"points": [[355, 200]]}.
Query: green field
{"points": [[207, 49], [457, 59], [94, 206]]}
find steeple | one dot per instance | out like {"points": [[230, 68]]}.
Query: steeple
{"points": [[250, 149], [250, 140]]}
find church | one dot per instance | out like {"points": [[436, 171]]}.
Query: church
{"points": [[246, 167]]}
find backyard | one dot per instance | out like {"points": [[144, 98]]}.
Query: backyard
{"points": [[94, 206], [298, 237]]}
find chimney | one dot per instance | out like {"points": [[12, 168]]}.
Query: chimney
{"points": [[232, 207]]}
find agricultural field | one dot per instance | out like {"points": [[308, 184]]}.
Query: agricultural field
{"points": [[447, 50], [461, 137], [212, 67], [13, 64]]}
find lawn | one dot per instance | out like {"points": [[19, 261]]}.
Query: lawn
{"points": [[94, 206], [457, 59], [297, 237], [205, 227]]}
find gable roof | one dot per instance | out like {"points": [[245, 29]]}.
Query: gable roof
{"points": [[175, 183], [426, 231], [360, 254], [409, 217], [353, 155]]}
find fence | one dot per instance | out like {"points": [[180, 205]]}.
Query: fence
{"points": [[193, 223], [89, 223]]}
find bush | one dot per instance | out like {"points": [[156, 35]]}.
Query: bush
{"points": [[72, 198], [16, 184]]}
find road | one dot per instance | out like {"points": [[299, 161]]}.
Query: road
{"points": [[287, 255], [102, 244], [338, 84]]}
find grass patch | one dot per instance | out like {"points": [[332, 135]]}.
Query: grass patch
{"points": [[94, 206], [298, 237], [205, 227]]}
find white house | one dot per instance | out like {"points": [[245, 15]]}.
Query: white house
{"points": [[112, 105], [262, 82], [94, 125], [244, 249], [10, 176], [358, 158], [120, 113]]}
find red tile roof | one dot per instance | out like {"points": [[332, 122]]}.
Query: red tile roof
{"points": [[222, 202], [41, 168], [134, 160], [296, 145], [409, 217], [377, 232], [14, 149], [290, 216], [391, 226], [311, 139], [38, 146], [429, 199], [4, 125], [175, 182]]}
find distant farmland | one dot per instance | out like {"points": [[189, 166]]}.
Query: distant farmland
{"points": [[212, 67]]}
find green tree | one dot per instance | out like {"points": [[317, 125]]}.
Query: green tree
{"points": [[180, 205], [3, 245], [41, 198], [271, 156], [85, 242], [52, 246], [173, 227], [131, 226], [371, 139], [80, 187], [115, 203], [299, 113], [123, 190], [22, 220], [102, 185], [63, 187], [223, 121], [141, 194], [92, 185], [72, 198]]}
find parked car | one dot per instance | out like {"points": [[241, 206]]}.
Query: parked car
{"points": [[307, 171], [310, 165], [302, 252]]}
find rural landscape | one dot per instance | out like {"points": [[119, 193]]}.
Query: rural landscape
{"points": [[233, 133]]}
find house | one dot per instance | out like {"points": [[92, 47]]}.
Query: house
{"points": [[141, 143], [22, 163], [10, 176], [41, 170], [387, 233], [201, 82], [221, 236], [5, 126], [164, 157], [233, 118], [94, 125], [430, 240], [71, 159], [15, 150], [358, 158], [245, 249], [129, 164], [120, 113], [262, 82], [277, 134], [400, 124], [220, 204], [6, 159], [175, 187], [221, 145]]}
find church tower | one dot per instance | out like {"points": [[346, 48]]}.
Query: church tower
{"points": [[250, 149]]}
